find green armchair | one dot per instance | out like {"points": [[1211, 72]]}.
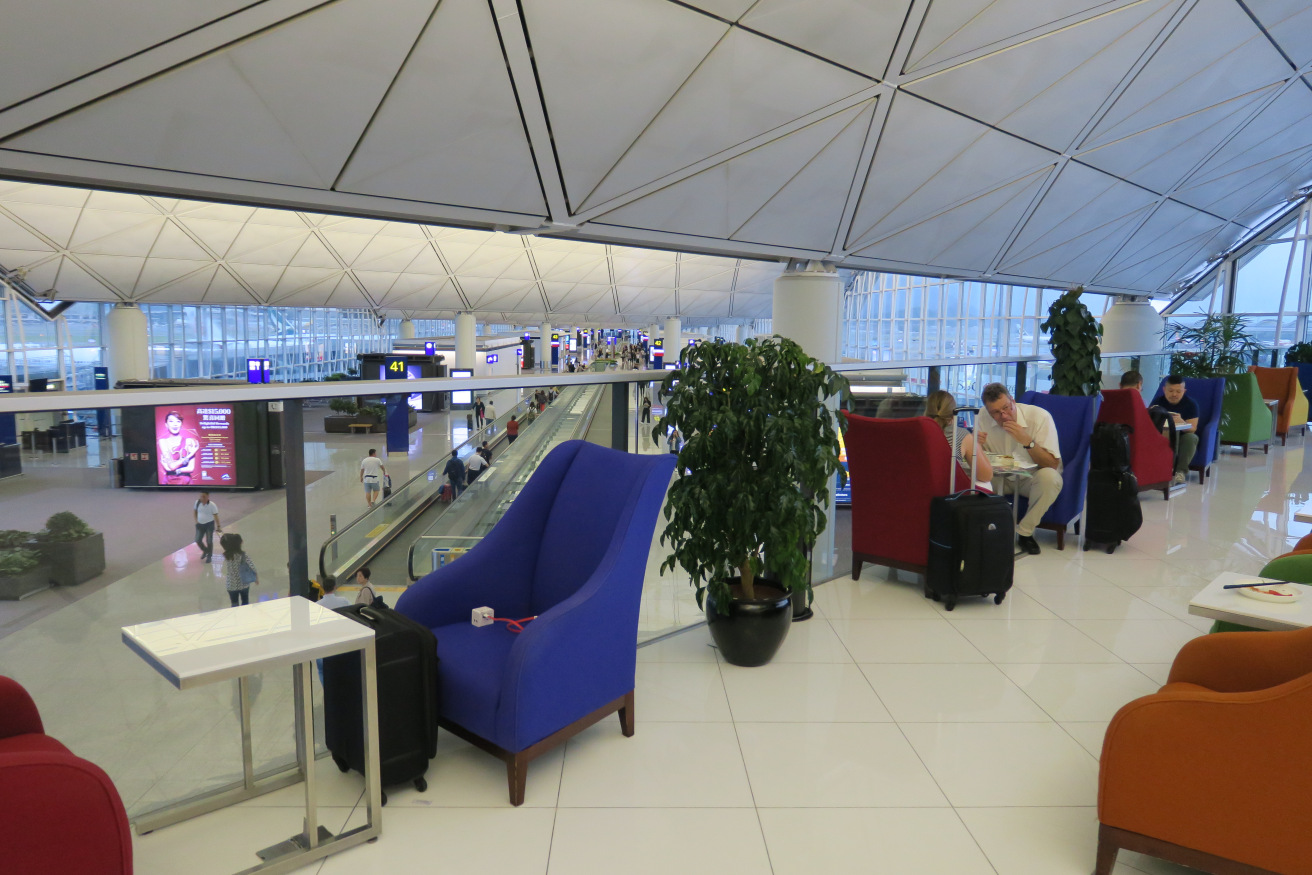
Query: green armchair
{"points": [[1245, 419]]}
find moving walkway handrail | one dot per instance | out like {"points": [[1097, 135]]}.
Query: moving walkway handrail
{"points": [[402, 495], [543, 442]]}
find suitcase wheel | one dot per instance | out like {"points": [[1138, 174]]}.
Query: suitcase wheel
{"points": [[421, 785], [1111, 548], [951, 603], [1086, 546], [384, 797], [341, 763], [997, 599]]}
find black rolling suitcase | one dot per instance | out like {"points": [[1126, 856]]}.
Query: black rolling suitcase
{"points": [[407, 698], [971, 542], [1111, 513]]}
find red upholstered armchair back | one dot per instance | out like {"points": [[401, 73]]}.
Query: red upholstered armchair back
{"points": [[1151, 457], [897, 466]]}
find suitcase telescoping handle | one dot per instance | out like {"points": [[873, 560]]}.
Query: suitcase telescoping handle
{"points": [[974, 459]]}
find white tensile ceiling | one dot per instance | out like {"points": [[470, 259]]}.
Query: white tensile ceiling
{"points": [[84, 245], [1117, 144]]}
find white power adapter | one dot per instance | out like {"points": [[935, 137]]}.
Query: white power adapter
{"points": [[481, 616]]}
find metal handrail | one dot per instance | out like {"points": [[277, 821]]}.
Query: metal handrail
{"points": [[476, 436]]}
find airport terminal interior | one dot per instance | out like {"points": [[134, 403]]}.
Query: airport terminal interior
{"points": [[254, 215]]}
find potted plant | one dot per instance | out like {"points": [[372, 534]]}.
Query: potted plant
{"points": [[21, 573], [339, 421], [761, 450], [1074, 336], [1218, 346], [1299, 354], [72, 551]]}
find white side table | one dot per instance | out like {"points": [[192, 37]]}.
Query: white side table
{"points": [[238, 642], [1226, 604]]}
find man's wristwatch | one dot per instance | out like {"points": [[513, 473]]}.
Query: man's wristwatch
{"points": [[1030, 445]]}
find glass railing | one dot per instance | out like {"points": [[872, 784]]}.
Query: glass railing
{"points": [[484, 502], [353, 546]]}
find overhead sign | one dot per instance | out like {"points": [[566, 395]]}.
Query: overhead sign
{"points": [[430, 348], [394, 367], [493, 358], [259, 370]]}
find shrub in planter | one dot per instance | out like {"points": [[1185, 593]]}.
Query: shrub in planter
{"points": [[11, 539], [760, 454], [21, 573], [72, 550], [343, 405]]}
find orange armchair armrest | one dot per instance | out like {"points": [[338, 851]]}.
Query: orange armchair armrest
{"points": [[1223, 773], [1234, 662]]}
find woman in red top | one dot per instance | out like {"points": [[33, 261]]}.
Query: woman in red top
{"points": [[512, 430]]}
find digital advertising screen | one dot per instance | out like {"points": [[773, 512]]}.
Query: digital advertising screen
{"points": [[465, 396], [195, 445]]}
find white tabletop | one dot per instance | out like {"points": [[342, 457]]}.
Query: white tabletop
{"points": [[1303, 514], [1227, 604], [202, 648]]}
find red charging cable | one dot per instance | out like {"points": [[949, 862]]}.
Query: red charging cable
{"points": [[515, 626]]}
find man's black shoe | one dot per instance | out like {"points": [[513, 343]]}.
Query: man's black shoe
{"points": [[1028, 544]]}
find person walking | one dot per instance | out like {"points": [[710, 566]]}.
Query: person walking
{"points": [[205, 513], [491, 410], [673, 441], [455, 473], [367, 595], [372, 471], [479, 410], [512, 430], [646, 409], [239, 573], [486, 452]]}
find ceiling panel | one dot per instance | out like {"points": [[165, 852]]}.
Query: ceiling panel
{"points": [[350, 136], [280, 107]]}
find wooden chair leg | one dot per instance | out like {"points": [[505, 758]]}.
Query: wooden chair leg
{"points": [[1061, 538], [1245, 451], [1107, 851], [626, 715], [517, 776]]}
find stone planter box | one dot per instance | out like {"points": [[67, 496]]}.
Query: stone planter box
{"points": [[339, 423], [74, 562], [16, 587]]}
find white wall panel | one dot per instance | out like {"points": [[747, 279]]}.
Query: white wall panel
{"points": [[864, 42]]}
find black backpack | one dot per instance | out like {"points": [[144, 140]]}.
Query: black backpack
{"points": [[1110, 447]]}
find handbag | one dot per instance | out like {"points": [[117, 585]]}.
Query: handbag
{"points": [[248, 575]]}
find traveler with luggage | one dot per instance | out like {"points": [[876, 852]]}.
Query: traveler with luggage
{"points": [[455, 474], [1028, 434], [239, 573], [372, 471]]}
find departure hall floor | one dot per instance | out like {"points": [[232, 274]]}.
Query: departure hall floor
{"points": [[887, 736]]}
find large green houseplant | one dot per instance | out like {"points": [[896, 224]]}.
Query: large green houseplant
{"points": [[761, 451], [1074, 336], [1218, 346]]}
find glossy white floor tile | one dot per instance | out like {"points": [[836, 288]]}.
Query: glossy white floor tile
{"points": [[997, 764], [1139, 640], [930, 640], [871, 841], [656, 841], [834, 765], [680, 692], [1093, 603], [1071, 692], [802, 692], [952, 694], [1032, 641], [1037, 841]]}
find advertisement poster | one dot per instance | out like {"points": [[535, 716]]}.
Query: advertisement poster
{"points": [[195, 446]]}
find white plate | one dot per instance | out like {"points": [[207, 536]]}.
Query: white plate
{"points": [[1275, 592]]}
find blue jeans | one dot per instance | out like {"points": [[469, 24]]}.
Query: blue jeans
{"points": [[244, 595], [205, 538]]}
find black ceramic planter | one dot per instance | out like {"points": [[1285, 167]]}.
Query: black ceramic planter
{"points": [[749, 633]]}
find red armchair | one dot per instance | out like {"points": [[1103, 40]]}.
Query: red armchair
{"points": [[1151, 456], [896, 467], [62, 815]]}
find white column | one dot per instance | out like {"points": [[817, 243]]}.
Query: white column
{"points": [[127, 344], [466, 340], [543, 349], [1132, 326], [673, 338], [808, 309], [407, 329]]}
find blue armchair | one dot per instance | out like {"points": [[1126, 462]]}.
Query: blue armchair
{"points": [[1074, 416], [574, 561], [1208, 394]]}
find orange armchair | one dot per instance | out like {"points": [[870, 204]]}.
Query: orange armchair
{"points": [[896, 467], [1281, 384], [1212, 771]]}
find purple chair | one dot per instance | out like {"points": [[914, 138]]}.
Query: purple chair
{"points": [[574, 562], [1074, 416]]}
